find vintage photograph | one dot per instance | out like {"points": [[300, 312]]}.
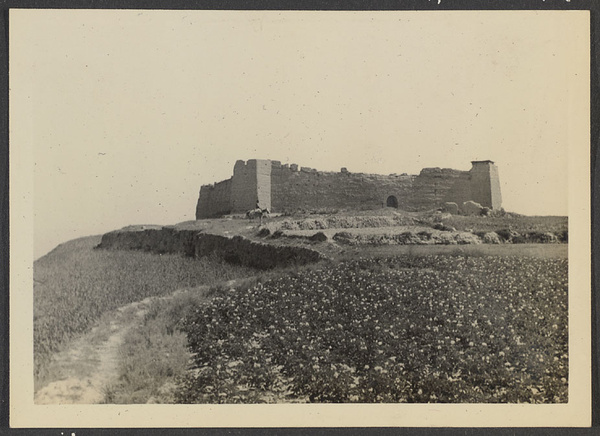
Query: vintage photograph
{"points": [[366, 209]]}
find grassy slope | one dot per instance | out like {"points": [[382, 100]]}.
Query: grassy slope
{"points": [[75, 284], [154, 355]]}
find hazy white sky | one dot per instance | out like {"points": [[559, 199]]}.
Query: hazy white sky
{"points": [[129, 112]]}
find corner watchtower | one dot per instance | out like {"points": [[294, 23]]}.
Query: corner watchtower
{"points": [[485, 184], [251, 181]]}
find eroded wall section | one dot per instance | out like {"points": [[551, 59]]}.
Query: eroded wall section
{"points": [[214, 200], [288, 188]]}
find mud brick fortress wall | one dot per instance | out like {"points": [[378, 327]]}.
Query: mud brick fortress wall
{"points": [[286, 188]]}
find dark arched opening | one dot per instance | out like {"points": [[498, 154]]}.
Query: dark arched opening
{"points": [[392, 201]]}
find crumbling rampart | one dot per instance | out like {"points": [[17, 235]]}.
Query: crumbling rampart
{"points": [[288, 188]]}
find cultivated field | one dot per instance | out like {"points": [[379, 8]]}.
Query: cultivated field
{"points": [[75, 285], [376, 322], [400, 329]]}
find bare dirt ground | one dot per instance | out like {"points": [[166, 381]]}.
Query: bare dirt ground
{"points": [[541, 251], [90, 363]]}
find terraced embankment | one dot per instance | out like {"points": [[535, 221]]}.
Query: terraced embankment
{"points": [[237, 249]]}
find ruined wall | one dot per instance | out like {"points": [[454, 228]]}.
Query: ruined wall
{"points": [[314, 190], [243, 186], [286, 188], [214, 200], [295, 188], [460, 191], [433, 187]]}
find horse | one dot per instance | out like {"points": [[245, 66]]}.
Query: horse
{"points": [[258, 212]]}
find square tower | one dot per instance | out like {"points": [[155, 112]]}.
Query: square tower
{"points": [[251, 182], [485, 184]]}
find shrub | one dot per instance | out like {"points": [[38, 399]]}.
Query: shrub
{"points": [[424, 235], [408, 238], [541, 237], [563, 236], [506, 234]]}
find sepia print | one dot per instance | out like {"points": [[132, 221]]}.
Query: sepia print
{"points": [[300, 218]]}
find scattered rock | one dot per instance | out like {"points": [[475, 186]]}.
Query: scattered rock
{"points": [[319, 237], [471, 208], [343, 237], [507, 235], [439, 217], [491, 238], [443, 227], [277, 234], [264, 232], [445, 239], [451, 208], [466, 238]]}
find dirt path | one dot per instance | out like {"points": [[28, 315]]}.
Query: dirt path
{"points": [[81, 373], [83, 370]]}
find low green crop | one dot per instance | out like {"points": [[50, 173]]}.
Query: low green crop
{"points": [[402, 329]]}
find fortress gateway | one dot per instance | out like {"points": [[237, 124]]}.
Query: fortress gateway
{"points": [[287, 188]]}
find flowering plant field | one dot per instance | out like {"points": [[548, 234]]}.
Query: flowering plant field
{"points": [[399, 329]]}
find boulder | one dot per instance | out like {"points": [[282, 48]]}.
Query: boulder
{"points": [[491, 238], [343, 237], [445, 239], [463, 238], [471, 208], [319, 237], [438, 216], [264, 232], [443, 227], [451, 207]]}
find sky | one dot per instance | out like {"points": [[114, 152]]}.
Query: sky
{"points": [[127, 113]]}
